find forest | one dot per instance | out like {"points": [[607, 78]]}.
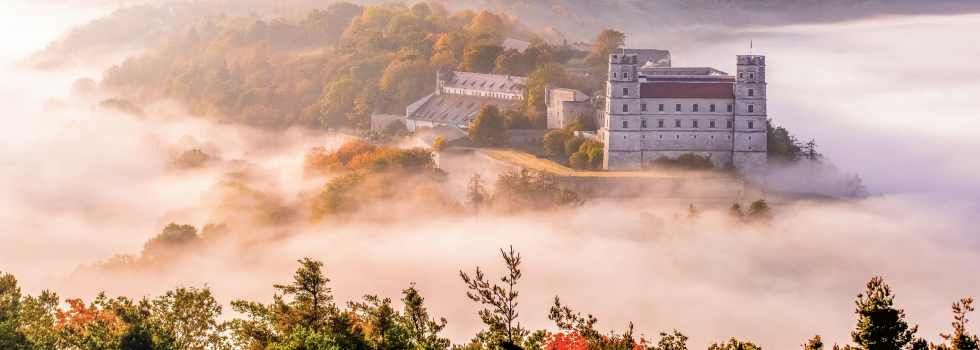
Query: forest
{"points": [[303, 314]]}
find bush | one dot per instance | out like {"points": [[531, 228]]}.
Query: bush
{"points": [[440, 144], [573, 145], [554, 142], [686, 161], [579, 160], [394, 128]]}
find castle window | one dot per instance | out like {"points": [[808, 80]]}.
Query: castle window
{"points": [[626, 91], [626, 124], [751, 126], [615, 75], [695, 108], [661, 107], [751, 108], [677, 123], [677, 107], [626, 108], [729, 125], [711, 107], [751, 92], [678, 136], [643, 123], [626, 75], [661, 136], [739, 75], [643, 107], [751, 75], [660, 123], [731, 108], [695, 124], [711, 123]]}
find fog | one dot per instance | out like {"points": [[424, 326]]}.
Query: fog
{"points": [[888, 98]]}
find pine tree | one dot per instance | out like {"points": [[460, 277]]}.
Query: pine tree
{"points": [[312, 301], [814, 344], [735, 211], [759, 212], [475, 192], [423, 331], [880, 325], [504, 328], [960, 339]]}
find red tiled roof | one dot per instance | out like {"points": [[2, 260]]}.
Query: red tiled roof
{"points": [[687, 90]]}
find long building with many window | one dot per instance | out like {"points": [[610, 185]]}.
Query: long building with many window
{"points": [[654, 112]]}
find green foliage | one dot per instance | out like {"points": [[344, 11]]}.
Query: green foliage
{"points": [[589, 155], [423, 330], [675, 341], [686, 161], [880, 325], [488, 128], [781, 146], [814, 344], [759, 212], [554, 142], [394, 128], [606, 43], [735, 212], [524, 190], [191, 313], [579, 160], [169, 243], [502, 320], [122, 105], [960, 339], [574, 144], [480, 57], [582, 122], [534, 102], [734, 344]]}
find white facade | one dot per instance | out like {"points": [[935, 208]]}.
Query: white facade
{"points": [[714, 115]]}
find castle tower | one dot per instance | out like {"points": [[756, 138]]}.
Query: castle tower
{"points": [[749, 141], [621, 125]]}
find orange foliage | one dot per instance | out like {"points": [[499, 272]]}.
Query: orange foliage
{"points": [[352, 149], [564, 341], [79, 317]]}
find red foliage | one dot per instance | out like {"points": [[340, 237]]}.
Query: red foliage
{"points": [[564, 341], [78, 317]]}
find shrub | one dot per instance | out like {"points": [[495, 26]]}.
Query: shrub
{"points": [[394, 128], [579, 160], [573, 144], [440, 144], [554, 142], [687, 161]]}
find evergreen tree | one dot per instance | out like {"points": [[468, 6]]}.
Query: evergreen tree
{"points": [[734, 344], [880, 325], [814, 344], [960, 339], [423, 331], [312, 302], [735, 212], [475, 192], [759, 212], [504, 331]]}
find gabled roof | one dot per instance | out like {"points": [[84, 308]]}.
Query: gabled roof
{"points": [[453, 135], [687, 90], [485, 82], [455, 109], [515, 44]]}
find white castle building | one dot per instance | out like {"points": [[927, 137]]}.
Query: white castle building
{"points": [[663, 111], [459, 96]]}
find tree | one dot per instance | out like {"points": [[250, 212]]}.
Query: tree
{"points": [[780, 145], [194, 158], [312, 302], [480, 57], [735, 212], [423, 331], [534, 98], [10, 317], [504, 328], [814, 344], [440, 144], [960, 339], [880, 325], [475, 192], [554, 142], [488, 128], [693, 213], [676, 341], [191, 313], [384, 328], [734, 344], [173, 240], [759, 212], [606, 43]]}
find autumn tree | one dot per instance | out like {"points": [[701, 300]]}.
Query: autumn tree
{"points": [[384, 324], [675, 341], [192, 315], [488, 127], [814, 344], [606, 43], [480, 57], [440, 144], [570, 321], [504, 329], [880, 325]]}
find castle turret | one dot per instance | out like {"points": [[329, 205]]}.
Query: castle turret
{"points": [[622, 114], [749, 144]]}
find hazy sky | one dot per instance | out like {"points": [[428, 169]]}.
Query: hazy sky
{"points": [[891, 99]]}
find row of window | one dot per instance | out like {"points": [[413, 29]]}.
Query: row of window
{"points": [[626, 92], [678, 108], [484, 94], [694, 124]]}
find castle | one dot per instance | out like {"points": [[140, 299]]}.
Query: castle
{"points": [[653, 112]]}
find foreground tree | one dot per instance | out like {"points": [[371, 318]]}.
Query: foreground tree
{"points": [[504, 330], [880, 325], [734, 344], [759, 212], [960, 339], [423, 330]]}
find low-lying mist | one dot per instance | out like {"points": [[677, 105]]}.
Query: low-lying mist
{"points": [[886, 98]]}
